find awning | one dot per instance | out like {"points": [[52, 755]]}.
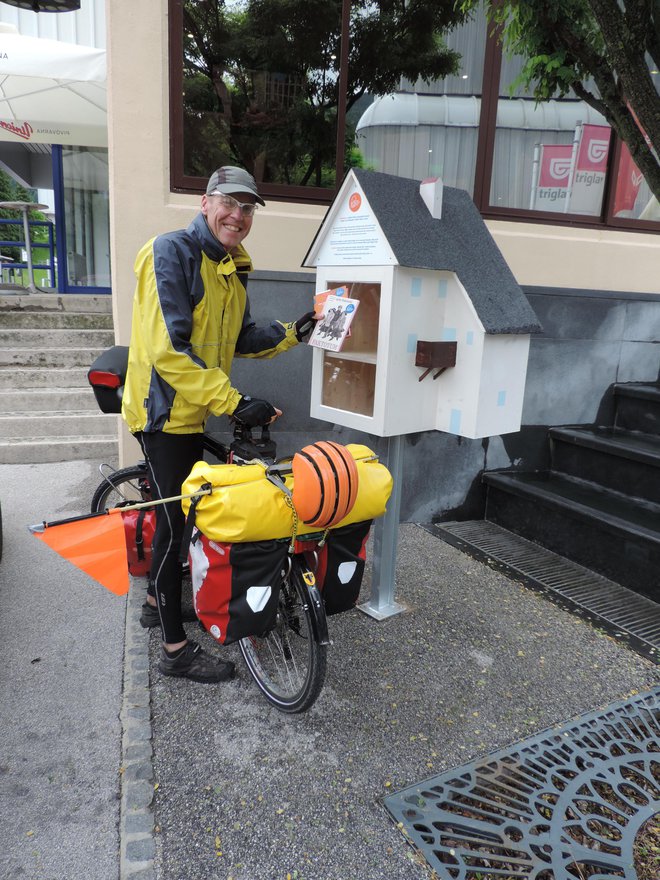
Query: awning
{"points": [[407, 108], [51, 92]]}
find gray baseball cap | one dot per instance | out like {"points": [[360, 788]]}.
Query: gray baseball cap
{"points": [[232, 179]]}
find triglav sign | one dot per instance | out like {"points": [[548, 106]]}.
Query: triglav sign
{"points": [[592, 149], [553, 164]]}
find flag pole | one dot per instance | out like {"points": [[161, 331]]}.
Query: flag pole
{"points": [[38, 528]]}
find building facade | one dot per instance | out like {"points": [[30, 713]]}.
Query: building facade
{"points": [[592, 278]]}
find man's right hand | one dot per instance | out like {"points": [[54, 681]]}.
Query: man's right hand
{"points": [[254, 412]]}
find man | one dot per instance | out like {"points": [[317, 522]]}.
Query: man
{"points": [[190, 316]]}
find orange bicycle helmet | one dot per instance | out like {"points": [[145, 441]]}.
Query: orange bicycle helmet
{"points": [[325, 481]]}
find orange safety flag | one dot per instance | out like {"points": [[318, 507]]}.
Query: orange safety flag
{"points": [[95, 544]]}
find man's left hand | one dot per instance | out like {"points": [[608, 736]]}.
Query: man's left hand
{"points": [[305, 325]]}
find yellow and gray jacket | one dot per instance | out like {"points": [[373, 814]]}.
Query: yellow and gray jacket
{"points": [[191, 316]]}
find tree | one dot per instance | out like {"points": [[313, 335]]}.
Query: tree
{"points": [[599, 49], [10, 231], [11, 191], [261, 77]]}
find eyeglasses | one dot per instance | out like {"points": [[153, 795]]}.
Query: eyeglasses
{"points": [[230, 203]]}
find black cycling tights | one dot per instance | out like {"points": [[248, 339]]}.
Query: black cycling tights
{"points": [[170, 458]]}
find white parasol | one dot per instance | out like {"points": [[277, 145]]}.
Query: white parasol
{"points": [[51, 92]]}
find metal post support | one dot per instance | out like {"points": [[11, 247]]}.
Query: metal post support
{"points": [[28, 250], [381, 603], [60, 220]]}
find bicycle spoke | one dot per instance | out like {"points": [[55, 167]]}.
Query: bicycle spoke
{"points": [[127, 485], [288, 663]]}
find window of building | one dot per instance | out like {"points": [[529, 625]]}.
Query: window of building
{"points": [[555, 162], [282, 115]]}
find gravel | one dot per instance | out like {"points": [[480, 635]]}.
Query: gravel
{"points": [[474, 663]]}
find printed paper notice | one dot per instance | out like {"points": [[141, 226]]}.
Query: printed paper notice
{"points": [[333, 326], [355, 237]]}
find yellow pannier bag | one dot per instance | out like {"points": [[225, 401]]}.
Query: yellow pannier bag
{"points": [[246, 506]]}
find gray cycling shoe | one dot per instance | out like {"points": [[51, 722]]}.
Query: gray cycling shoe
{"points": [[196, 664]]}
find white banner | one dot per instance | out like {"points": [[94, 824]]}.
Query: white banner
{"points": [[588, 184]]}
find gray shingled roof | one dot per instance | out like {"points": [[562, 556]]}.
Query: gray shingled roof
{"points": [[459, 242]]}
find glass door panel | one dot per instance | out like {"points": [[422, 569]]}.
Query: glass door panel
{"points": [[349, 376], [86, 213]]}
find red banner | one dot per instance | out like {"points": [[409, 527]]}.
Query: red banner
{"points": [[627, 184], [553, 177], [588, 184], [555, 165], [594, 147]]}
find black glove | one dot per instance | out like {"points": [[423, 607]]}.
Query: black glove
{"points": [[305, 325], [253, 412]]}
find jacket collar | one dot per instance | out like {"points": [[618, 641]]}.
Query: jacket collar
{"points": [[213, 249]]}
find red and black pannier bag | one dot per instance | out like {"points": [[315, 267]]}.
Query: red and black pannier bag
{"points": [[340, 566], [236, 587], [139, 528]]}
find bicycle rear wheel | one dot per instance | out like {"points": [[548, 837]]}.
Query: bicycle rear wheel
{"points": [[289, 663], [126, 484]]}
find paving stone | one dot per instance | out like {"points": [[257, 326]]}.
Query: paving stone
{"points": [[141, 850], [138, 752], [138, 795], [138, 770], [139, 823]]}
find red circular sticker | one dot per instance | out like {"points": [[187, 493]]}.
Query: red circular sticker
{"points": [[354, 202]]}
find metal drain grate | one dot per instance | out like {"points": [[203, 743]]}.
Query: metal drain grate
{"points": [[566, 803], [621, 611]]}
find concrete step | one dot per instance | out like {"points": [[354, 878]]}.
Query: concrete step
{"points": [[56, 302], [638, 406], [623, 461], [52, 357], [73, 320], [70, 448], [603, 530], [53, 400], [13, 378], [52, 425], [47, 338]]}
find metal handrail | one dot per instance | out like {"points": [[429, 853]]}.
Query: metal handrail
{"points": [[50, 244]]}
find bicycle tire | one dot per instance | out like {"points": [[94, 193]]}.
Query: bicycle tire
{"points": [[126, 484], [289, 663]]}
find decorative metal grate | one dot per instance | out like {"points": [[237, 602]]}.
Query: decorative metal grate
{"points": [[566, 803]]}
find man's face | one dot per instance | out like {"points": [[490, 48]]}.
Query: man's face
{"points": [[226, 220]]}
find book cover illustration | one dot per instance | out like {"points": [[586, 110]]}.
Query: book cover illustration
{"points": [[333, 326]]}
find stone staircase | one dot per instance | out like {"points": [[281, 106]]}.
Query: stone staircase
{"points": [[586, 531], [599, 503], [47, 408]]}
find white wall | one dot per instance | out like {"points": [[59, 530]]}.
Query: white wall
{"points": [[85, 26]]}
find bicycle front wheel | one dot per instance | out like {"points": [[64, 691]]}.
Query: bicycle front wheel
{"points": [[127, 484], [289, 663]]}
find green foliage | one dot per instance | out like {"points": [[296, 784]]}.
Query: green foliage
{"points": [[261, 81], [596, 49], [10, 191], [530, 30], [9, 231]]}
